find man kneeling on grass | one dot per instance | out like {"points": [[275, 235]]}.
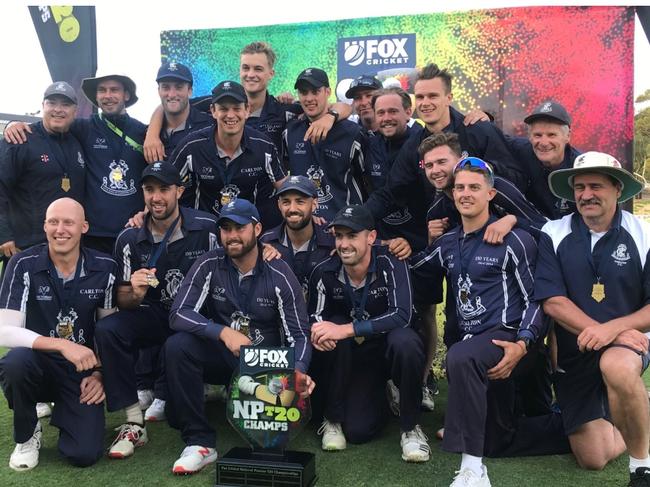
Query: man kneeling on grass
{"points": [[50, 297]]}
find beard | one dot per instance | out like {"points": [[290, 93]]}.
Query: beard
{"points": [[246, 247], [300, 224]]}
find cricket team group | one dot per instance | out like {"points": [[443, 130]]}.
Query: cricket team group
{"points": [[138, 259]]}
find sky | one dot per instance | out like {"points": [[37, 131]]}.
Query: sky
{"points": [[128, 37]]}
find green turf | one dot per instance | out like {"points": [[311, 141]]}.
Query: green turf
{"points": [[375, 464]]}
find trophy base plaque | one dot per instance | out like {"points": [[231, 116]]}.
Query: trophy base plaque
{"points": [[244, 467]]}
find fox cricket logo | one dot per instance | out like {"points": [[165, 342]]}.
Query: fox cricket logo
{"points": [[264, 406], [370, 54]]}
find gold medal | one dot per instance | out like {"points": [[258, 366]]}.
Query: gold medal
{"points": [[598, 292], [225, 199], [152, 280], [241, 323], [65, 183], [359, 340]]}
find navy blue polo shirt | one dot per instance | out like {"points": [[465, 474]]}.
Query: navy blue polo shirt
{"points": [[212, 181], [335, 165], [389, 298], [485, 140], [271, 297], [113, 190], [620, 258], [271, 121], [134, 247], [406, 188], [302, 262], [196, 120], [31, 176], [507, 201], [28, 286], [495, 287], [273, 118], [381, 155], [537, 190]]}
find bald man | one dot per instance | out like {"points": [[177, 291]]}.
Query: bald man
{"points": [[50, 297]]}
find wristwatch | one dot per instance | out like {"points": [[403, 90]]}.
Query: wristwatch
{"points": [[526, 341], [334, 113]]}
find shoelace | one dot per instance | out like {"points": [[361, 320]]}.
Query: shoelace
{"points": [[417, 433], [125, 431], [33, 443]]}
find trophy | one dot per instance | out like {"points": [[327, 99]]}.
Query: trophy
{"points": [[267, 411]]}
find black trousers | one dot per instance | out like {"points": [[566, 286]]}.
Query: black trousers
{"points": [[352, 381], [118, 338], [28, 376], [189, 361], [481, 416]]}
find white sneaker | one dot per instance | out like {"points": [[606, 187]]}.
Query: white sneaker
{"points": [[129, 437], [25, 455], [145, 398], [414, 445], [43, 410], [333, 437], [428, 404], [392, 394], [155, 412], [194, 458], [467, 478]]}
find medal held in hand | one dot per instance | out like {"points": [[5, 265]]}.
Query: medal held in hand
{"points": [[241, 323], [152, 280]]}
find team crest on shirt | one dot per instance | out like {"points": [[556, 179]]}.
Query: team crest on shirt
{"points": [[229, 193], [173, 279], [65, 327], [116, 183], [398, 217], [43, 293], [562, 205], [316, 174], [45, 158], [468, 308], [621, 255]]}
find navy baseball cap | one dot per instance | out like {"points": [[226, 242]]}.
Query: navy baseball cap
{"points": [[240, 211], [175, 71], [163, 171], [363, 82], [229, 89], [552, 110], [61, 88], [301, 184], [314, 77], [354, 217]]}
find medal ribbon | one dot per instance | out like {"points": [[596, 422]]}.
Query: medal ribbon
{"points": [[607, 247], [162, 244], [117, 131], [358, 305], [65, 296], [240, 296]]}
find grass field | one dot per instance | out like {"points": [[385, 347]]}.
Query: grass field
{"points": [[375, 464]]}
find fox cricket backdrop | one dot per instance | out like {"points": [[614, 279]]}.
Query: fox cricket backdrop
{"points": [[505, 61]]}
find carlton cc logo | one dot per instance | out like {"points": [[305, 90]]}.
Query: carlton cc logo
{"points": [[390, 50]]}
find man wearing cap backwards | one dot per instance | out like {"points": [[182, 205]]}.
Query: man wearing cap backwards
{"points": [[50, 165], [153, 261], [547, 149], [112, 143], [360, 308], [302, 243], [335, 164], [593, 276], [229, 160], [498, 318], [230, 297], [50, 298]]}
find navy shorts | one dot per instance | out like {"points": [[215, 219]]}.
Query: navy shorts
{"points": [[580, 389]]}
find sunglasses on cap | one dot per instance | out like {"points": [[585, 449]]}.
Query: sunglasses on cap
{"points": [[474, 163]]}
